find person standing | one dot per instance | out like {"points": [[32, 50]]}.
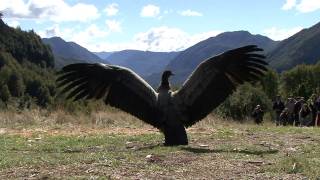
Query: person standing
{"points": [[297, 108], [311, 102], [257, 114], [317, 108], [284, 117], [304, 115], [290, 106], [278, 107]]}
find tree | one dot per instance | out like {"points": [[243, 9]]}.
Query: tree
{"points": [[242, 102], [270, 83], [303, 80], [16, 85], [4, 93]]}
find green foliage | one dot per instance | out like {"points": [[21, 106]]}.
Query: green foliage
{"points": [[4, 93], [270, 83], [26, 67], [25, 46], [16, 85], [302, 80], [242, 102]]}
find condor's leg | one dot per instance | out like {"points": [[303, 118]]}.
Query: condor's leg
{"points": [[175, 134]]}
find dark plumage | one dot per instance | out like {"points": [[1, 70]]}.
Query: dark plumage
{"points": [[207, 87]]}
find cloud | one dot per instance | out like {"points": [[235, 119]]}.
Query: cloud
{"points": [[12, 7], [289, 5], [150, 11], [306, 6], [280, 34], [55, 30], [13, 23], [113, 25], [303, 6], [160, 39], [190, 13], [57, 10], [112, 9]]}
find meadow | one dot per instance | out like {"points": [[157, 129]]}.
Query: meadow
{"points": [[114, 145]]}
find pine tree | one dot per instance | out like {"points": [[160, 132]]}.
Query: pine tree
{"points": [[16, 85], [4, 93]]}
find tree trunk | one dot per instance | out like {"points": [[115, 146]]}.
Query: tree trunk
{"points": [[175, 135]]}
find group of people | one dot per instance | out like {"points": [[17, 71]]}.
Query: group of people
{"points": [[295, 111]]}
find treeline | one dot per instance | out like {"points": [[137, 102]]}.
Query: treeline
{"points": [[27, 74], [301, 81], [26, 69]]}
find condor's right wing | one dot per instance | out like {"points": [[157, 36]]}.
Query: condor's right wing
{"points": [[121, 88]]}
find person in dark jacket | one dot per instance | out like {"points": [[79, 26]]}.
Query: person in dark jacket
{"points": [[304, 115], [297, 108], [312, 105], [257, 114], [278, 107], [317, 108], [290, 106], [284, 116]]}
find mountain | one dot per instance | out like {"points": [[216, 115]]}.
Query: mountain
{"points": [[103, 55], [143, 63], [69, 52], [301, 48], [184, 63]]}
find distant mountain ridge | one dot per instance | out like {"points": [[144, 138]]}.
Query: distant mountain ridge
{"points": [[183, 64], [69, 52], [301, 48], [103, 55], [143, 63], [282, 55]]}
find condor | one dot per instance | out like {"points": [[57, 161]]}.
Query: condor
{"points": [[171, 112]]}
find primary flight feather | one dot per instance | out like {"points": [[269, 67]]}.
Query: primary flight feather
{"points": [[206, 88]]}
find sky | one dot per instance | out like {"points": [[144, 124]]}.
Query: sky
{"points": [[163, 25]]}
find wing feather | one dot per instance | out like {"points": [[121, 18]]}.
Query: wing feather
{"points": [[121, 87], [215, 79]]}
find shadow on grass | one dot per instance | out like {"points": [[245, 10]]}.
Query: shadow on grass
{"points": [[242, 151]]}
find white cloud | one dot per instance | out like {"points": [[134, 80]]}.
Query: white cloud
{"points": [[13, 23], [113, 25], [289, 4], [11, 7], [150, 11], [55, 30], [280, 34], [161, 39], [190, 13], [112, 9], [306, 6], [303, 6], [57, 10]]}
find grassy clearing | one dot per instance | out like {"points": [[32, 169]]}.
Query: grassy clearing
{"points": [[119, 146]]}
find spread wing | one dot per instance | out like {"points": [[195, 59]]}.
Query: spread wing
{"points": [[121, 88], [215, 79]]}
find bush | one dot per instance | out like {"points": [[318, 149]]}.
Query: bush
{"points": [[242, 102]]}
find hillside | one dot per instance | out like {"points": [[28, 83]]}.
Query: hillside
{"points": [[26, 68], [301, 48], [142, 62], [187, 60], [69, 52], [103, 55]]}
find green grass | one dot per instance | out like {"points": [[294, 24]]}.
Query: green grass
{"points": [[112, 155], [217, 149]]}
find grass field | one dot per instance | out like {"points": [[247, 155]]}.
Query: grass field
{"points": [[114, 145]]}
